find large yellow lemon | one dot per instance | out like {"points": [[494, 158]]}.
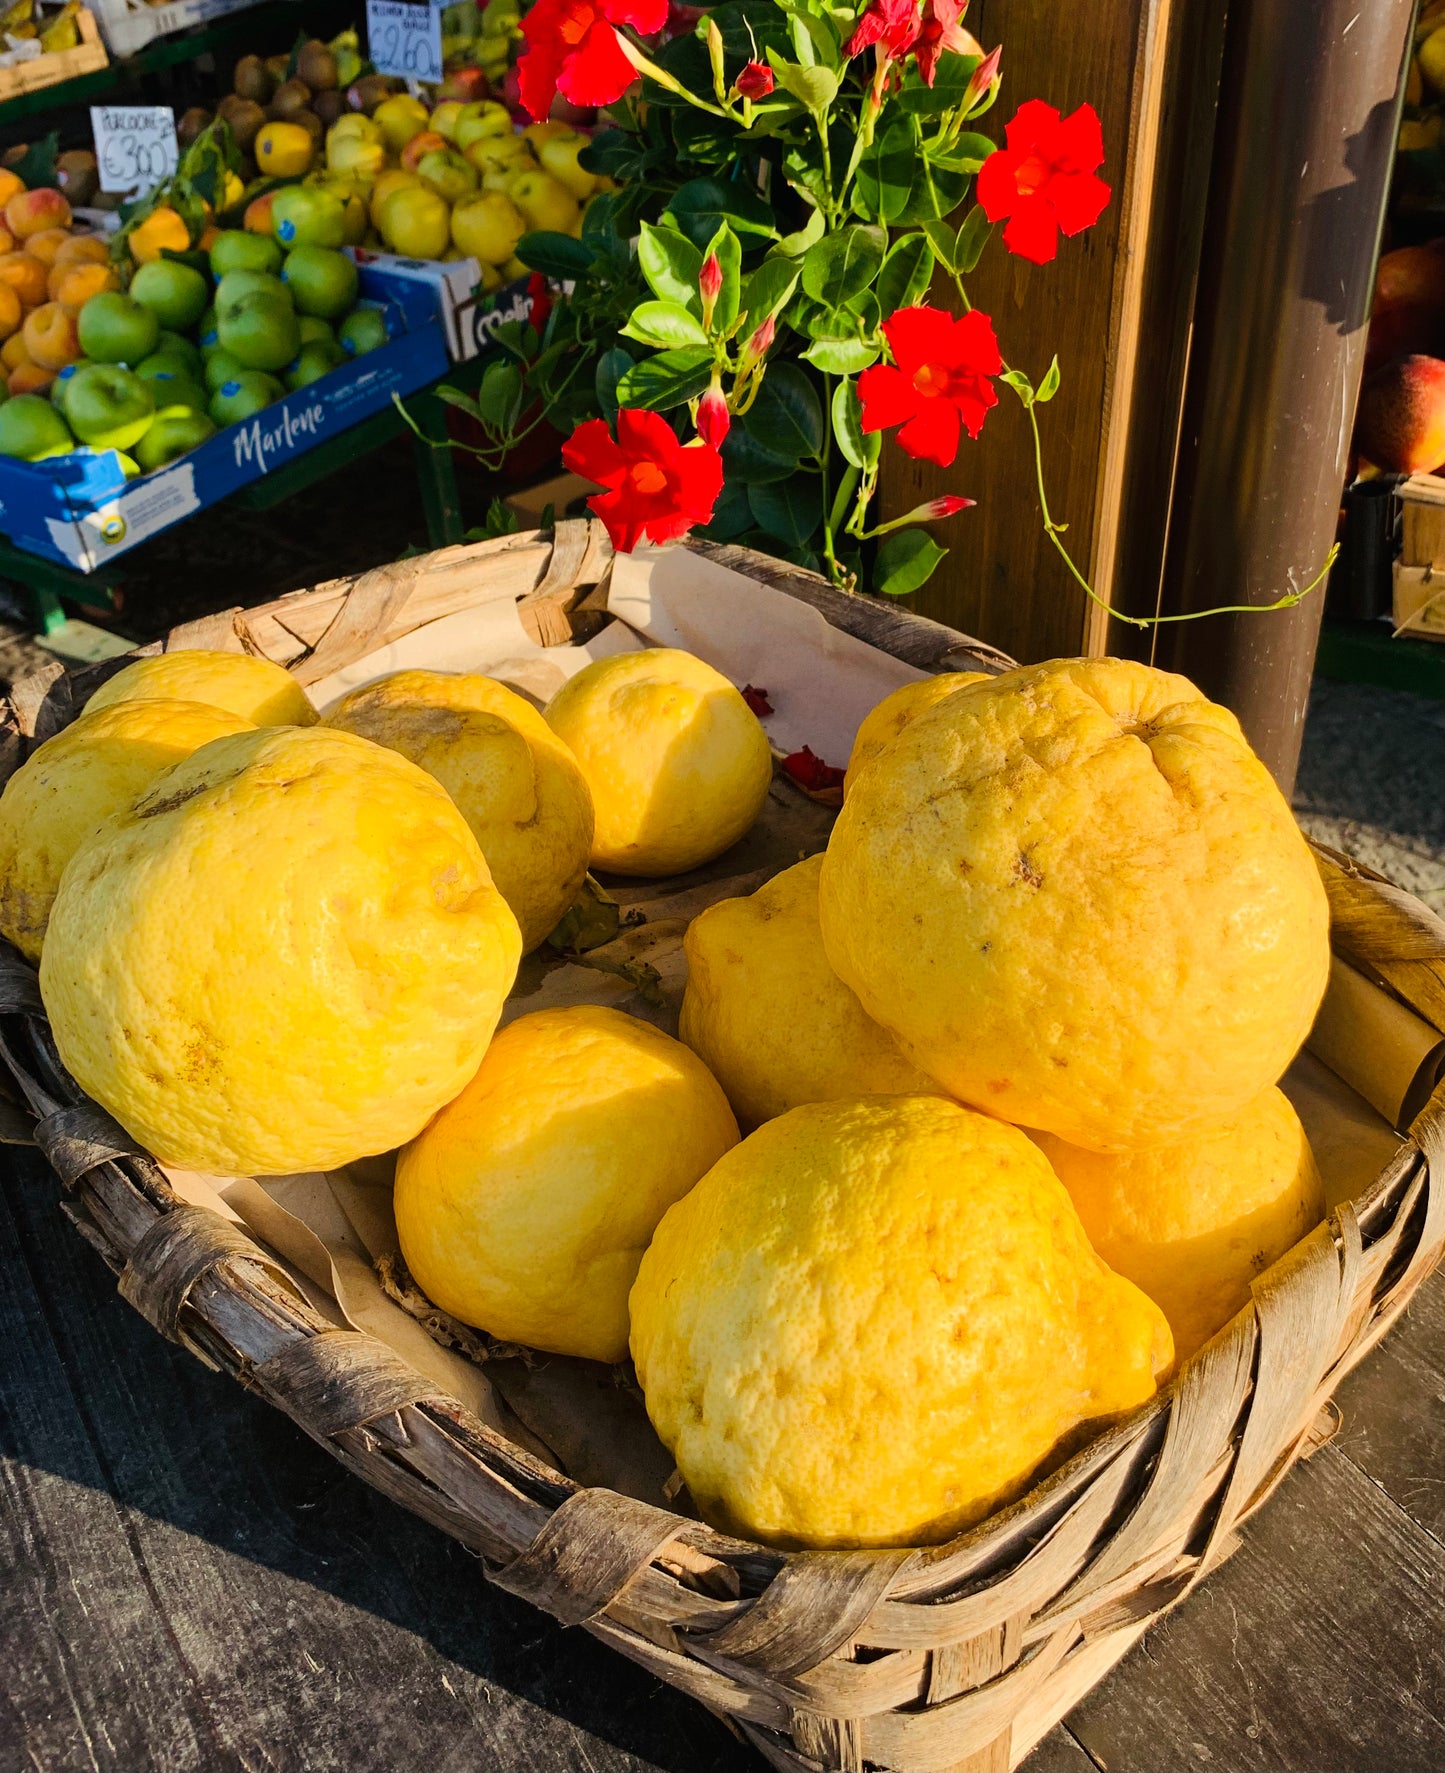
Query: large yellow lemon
{"points": [[678, 766], [873, 1321], [259, 691], [1194, 1224], [288, 954], [525, 1206], [515, 782], [770, 1018], [1080, 902], [99, 765], [882, 725]]}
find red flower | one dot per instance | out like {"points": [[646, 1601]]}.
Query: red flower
{"points": [[945, 505], [900, 25], [893, 23], [539, 299], [811, 774], [755, 81], [940, 29], [757, 700], [713, 418], [656, 488], [937, 384], [1045, 179], [573, 49]]}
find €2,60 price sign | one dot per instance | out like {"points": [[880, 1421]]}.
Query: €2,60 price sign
{"points": [[405, 39], [135, 145]]}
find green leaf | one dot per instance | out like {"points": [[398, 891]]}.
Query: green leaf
{"points": [[795, 245], [842, 265], [667, 380], [701, 206], [905, 560], [1049, 386], [1020, 383], [664, 324], [746, 461], [463, 402], [499, 398], [814, 88], [732, 514], [941, 239], [966, 153], [888, 170], [787, 416], [841, 357], [727, 248], [554, 255], [973, 236], [937, 191], [904, 279], [791, 509], [848, 424], [950, 82], [607, 224], [768, 290], [671, 264], [611, 367]]}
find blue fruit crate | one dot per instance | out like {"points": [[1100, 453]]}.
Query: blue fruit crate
{"points": [[82, 512]]}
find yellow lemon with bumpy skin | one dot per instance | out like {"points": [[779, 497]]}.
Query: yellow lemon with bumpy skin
{"points": [[1194, 1224], [99, 765], [287, 955], [872, 1322], [264, 693], [770, 1018], [678, 766], [898, 710], [514, 781], [525, 1206], [1080, 902]]}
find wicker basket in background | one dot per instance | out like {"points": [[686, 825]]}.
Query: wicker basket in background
{"points": [[957, 1656]]}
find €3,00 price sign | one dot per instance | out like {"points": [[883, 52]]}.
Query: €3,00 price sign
{"points": [[405, 39], [135, 146]]}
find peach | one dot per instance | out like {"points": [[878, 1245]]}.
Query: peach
{"points": [[33, 212], [1400, 425], [26, 275], [257, 219], [73, 285], [1408, 314], [11, 313], [13, 352], [7, 240], [47, 243], [51, 336], [30, 378], [83, 249], [419, 145], [11, 185]]}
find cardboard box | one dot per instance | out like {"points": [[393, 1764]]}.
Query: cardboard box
{"points": [[82, 512], [1419, 572], [471, 319]]}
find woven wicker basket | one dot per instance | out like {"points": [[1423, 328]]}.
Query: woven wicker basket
{"points": [[959, 1656]]}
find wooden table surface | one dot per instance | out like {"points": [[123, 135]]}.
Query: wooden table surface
{"points": [[187, 1582]]}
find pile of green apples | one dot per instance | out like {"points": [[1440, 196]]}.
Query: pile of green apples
{"points": [[167, 363]]}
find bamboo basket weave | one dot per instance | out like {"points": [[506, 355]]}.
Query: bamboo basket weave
{"points": [[959, 1656]]}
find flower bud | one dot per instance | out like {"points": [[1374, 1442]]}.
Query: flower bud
{"points": [[760, 341], [709, 283], [755, 81], [982, 78], [713, 418], [946, 505]]}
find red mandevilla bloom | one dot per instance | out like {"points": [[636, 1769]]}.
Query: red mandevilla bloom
{"points": [[656, 488], [1045, 179], [755, 81], [940, 29], [893, 23], [572, 48], [900, 25], [938, 383]]}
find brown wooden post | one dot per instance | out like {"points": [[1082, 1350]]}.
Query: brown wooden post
{"points": [[1309, 110]]}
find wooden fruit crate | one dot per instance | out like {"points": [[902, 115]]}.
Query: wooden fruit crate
{"points": [[959, 1656], [64, 64]]}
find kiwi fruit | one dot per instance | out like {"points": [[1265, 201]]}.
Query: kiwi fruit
{"points": [[367, 93], [253, 80], [308, 120], [77, 175], [243, 117], [316, 65], [329, 105], [277, 66], [14, 155], [190, 124], [291, 96]]}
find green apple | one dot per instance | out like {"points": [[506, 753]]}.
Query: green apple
{"points": [[322, 281], [313, 361], [236, 285], [60, 387], [237, 249], [221, 367], [109, 406], [114, 328], [206, 331], [177, 389], [174, 344], [246, 393], [175, 293], [313, 327], [165, 362], [31, 428], [308, 215], [176, 430], [260, 331], [363, 329]]}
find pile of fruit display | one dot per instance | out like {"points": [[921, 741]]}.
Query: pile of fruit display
{"points": [[973, 1128], [156, 368]]}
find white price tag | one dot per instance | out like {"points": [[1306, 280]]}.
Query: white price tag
{"points": [[135, 145], [405, 39]]}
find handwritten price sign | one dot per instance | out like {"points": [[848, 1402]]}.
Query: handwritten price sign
{"points": [[135, 145], [404, 39]]}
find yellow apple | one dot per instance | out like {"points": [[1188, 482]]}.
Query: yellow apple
{"points": [[487, 226], [447, 173], [416, 222], [393, 179], [356, 125], [355, 156], [558, 154], [399, 118], [545, 203], [481, 117], [493, 153], [444, 118]]}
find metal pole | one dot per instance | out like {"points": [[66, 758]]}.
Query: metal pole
{"points": [[1305, 138]]}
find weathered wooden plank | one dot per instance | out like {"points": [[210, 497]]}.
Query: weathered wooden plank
{"points": [[186, 1580], [1059, 1752], [1317, 1646]]}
